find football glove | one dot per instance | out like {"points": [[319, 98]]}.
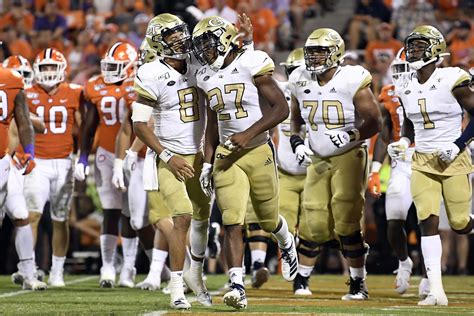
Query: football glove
{"points": [[206, 179], [448, 153], [397, 150], [339, 138], [117, 177], [24, 161], [303, 155], [81, 169]]}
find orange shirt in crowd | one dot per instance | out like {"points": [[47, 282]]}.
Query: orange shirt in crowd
{"points": [[111, 101], [12, 83], [21, 47], [27, 19], [263, 21], [379, 49], [462, 52], [57, 112], [62, 5]]}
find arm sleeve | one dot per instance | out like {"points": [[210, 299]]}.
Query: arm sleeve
{"points": [[145, 85]]}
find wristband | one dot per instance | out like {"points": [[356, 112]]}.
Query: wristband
{"points": [[166, 155], [354, 135], [295, 141], [30, 149], [376, 166], [84, 159]]}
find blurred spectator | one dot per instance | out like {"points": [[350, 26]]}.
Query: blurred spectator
{"points": [[281, 9], [383, 49], [351, 58], [461, 44], [18, 17], [62, 5], [264, 24], [82, 49], [367, 15], [51, 21], [411, 14], [138, 34], [297, 11], [221, 9], [18, 45]]}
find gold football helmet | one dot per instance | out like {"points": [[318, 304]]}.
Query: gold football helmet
{"points": [[427, 40], [324, 49], [294, 60], [147, 54], [169, 36], [213, 39]]}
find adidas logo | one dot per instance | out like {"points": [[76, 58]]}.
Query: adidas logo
{"points": [[269, 161], [235, 71], [333, 90], [433, 87]]}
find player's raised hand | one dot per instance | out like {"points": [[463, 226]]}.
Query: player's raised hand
{"points": [[246, 28]]}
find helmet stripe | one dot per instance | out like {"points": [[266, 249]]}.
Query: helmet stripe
{"points": [[113, 48], [48, 53]]}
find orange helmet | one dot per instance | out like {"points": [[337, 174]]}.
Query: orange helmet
{"points": [[22, 65], [400, 68], [119, 62], [50, 67]]}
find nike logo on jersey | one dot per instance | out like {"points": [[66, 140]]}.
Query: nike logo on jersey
{"points": [[63, 100], [2, 84]]}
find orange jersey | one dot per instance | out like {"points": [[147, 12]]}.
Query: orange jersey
{"points": [[11, 82], [392, 104], [111, 101], [57, 112]]}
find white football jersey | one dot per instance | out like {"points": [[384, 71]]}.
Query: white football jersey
{"points": [[179, 113], [233, 95], [433, 109], [328, 107], [286, 157]]}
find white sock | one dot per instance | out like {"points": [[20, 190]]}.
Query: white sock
{"points": [[258, 255], [357, 272], [25, 251], [283, 236], [196, 265], [149, 254], [235, 275], [198, 236], [305, 271], [129, 248], [58, 263], [176, 285], [159, 259], [432, 250], [108, 244]]}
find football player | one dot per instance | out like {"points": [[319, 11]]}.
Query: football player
{"points": [[340, 112], [12, 200], [109, 94], [433, 101], [22, 66], [239, 155], [58, 105], [167, 91]]}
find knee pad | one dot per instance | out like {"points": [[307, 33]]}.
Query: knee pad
{"points": [[308, 248], [258, 239], [353, 246]]}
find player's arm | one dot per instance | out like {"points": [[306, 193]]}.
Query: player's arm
{"points": [[296, 121], [13, 138], [142, 110], [268, 89], [25, 130], [122, 142], [88, 129], [465, 97], [302, 152], [212, 135], [38, 124], [368, 111]]}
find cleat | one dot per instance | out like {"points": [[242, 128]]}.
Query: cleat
{"points": [[127, 277], [438, 299], [402, 281], [149, 284], [34, 285], [289, 263], [195, 282], [236, 297], [259, 275], [107, 278], [56, 278], [300, 286], [180, 303], [424, 288], [357, 290], [18, 277]]}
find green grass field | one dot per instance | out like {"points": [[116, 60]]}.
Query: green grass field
{"points": [[83, 296]]}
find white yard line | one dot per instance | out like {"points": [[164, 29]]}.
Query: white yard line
{"points": [[80, 280]]}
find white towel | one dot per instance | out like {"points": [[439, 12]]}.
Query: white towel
{"points": [[150, 171]]}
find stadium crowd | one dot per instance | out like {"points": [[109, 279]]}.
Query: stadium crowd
{"points": [[83, 32]]}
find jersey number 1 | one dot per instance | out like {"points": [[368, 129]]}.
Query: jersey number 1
{"points": [[427, 123]]}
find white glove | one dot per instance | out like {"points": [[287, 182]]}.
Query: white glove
{"points": [[81, 169], [397, 150], [129, 162], [117, 177], [206, 179], [448, 153], [339, 138], [303, 154]]}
